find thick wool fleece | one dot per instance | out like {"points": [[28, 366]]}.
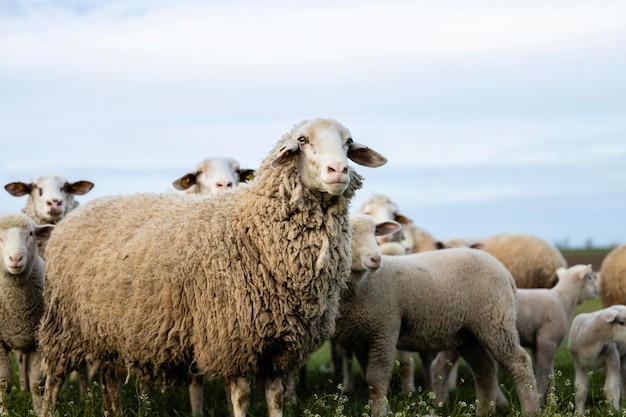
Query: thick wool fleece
{"points": [[246, 281], [613, 277]]}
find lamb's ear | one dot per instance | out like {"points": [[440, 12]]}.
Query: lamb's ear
{"points": [[477, 245], [78, 187], [286, 153], [365, 156], [246, 175], [609, 315], [402, 219], [185, 182], [18, 189], [560, 271], [44, 231], [438, 245], [387, 228]]}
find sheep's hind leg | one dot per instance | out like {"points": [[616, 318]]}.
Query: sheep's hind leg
{"points": [[274, 392], [239, 395], [485, 375]]}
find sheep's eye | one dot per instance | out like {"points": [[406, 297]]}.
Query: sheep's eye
{"points": [[40, 192], [303, 140], [349, 141]]}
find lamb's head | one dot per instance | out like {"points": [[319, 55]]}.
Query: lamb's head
{"points": [[322, 148], [381, 208], [366, 253], [458, 242], [214, 175], [615, 316], [584, 276], [51, 197], [18, 241]]}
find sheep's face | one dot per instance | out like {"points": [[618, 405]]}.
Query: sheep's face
{"points": [[383, 209], [616, 316], [212, 176], [584, 275], [18, 242], [323, 147], [50, 195], [366, 253]]}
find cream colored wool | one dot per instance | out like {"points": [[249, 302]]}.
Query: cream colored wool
{"points": [[613, 277], [245, 281]]}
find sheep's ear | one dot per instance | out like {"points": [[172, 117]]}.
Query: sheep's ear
{"points": [[365, 156], [477, 245], [402, 219], [44, 231], [438, 245], [185, 182], [609, 315], [560, 271], [387, 228], [246, 175], [18, 189], [286, 153], [78, 187]]}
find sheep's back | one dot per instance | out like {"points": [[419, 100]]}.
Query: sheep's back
{"points": [[613, 277]]}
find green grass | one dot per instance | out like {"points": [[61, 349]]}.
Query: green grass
{"points": [[324, 397]]}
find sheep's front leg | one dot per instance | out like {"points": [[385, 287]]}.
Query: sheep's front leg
{"points": [[196, 395], [5, 378], [239, 395], [274, 394], [378, 373], [36, 379], [407, 371]]}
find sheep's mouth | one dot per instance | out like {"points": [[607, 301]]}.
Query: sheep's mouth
{"points": [[15, 270]]}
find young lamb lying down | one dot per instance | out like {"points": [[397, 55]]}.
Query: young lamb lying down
{"points": [[593, 342], [244, 282], [213, 175], [21, 300], [421, 302], [543, 319]]}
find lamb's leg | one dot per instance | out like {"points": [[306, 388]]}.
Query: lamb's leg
{"points": [[274, 392], [440, 372], [407, 371], [239, 395], [612, 382], [544, 359], [196, 395], [484, 368], [380, 359], [427, 359], [580, 384], [516, 361], [346, 369]]}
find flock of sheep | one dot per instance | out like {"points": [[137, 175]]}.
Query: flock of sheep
{"points": [[176, 287]]}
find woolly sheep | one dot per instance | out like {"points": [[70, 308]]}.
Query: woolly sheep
{"points": [[248, 282], [613, 277], [21, 299], [593, 343], [381, 208], [543, 319], [213, 175], [421, 302]]}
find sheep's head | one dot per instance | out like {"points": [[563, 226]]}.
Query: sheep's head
{"points": [[615, 315], [18, 241], [214, 175], [458, 242], [51, 196], [323, 147], [366, 253], [381, 208]]}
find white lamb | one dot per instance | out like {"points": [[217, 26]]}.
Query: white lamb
{"points": [[213, 175], [593, 343], [421, 302], [242, 282], [21, 300], [543, 319]]}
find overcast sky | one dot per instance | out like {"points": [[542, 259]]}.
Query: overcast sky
{"points": [[495, 116]]}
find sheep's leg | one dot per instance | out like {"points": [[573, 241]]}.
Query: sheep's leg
{"points": [[51, 394], [274, 392], [427, 359], [612, 381], [111, 387], [407, 371], [5, 378], [196, 395], [580, 383], [348, 374], [378, 373], [440, 373], [544, 359], [239, 395], [22, 363], [516, 361], [36, 380], [483, 366]]}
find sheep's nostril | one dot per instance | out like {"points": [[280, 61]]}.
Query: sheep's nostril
{"points": [[16, 258]]}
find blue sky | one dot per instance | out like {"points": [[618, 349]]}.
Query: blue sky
{"points": [[495, 116]]}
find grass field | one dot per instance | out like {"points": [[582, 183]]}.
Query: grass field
{"points": [[323, 397]]}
